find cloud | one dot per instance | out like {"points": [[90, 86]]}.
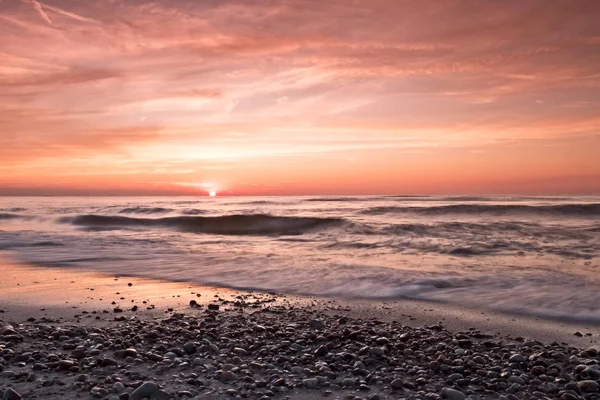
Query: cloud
{"points": [[233, 79], [38, 7], [66, 13]]}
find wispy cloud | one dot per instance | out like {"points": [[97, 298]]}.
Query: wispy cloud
{"points": [[229, 82], [38, 7], [66, 13]]}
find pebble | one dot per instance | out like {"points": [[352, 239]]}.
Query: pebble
{"points": [[310, 383], [189, 348], [118, 387], [588, 386], [316, 324], [287, 352], [517, 358], [397, 384], [146, 389], [11, 394], [453, 394], [227, 376]]}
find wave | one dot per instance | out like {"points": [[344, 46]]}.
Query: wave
{"points": [[10, 216], [145, 210], [14, 245], [255, 224], [12, 209], [573, 210], [193, 211], [255, 202], [339, 199]]}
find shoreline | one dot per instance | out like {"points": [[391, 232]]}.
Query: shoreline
{"points": [[27, 289], [70, 333]]}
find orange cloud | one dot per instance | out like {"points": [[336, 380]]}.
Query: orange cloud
{"points": [[171, 91]]}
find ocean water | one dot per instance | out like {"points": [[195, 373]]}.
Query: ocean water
{"points": [[531, 255]]}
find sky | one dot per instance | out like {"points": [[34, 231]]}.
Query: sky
{"points": [[295, 97]]}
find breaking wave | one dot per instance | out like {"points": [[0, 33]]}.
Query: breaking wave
{"points": [[145, 210], [583, 210], [9, 216], [256, 224]]}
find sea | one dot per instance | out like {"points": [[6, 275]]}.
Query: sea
{"points": [[536, 256]]}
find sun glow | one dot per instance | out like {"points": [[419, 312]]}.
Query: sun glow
{"points": [[212, 193]]}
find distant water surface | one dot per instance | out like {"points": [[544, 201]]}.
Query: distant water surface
{"points": [[532, 255]]}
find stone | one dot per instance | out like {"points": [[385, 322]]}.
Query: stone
{"points": [[397, 384], [516, 379], [310, 383], [146, 389], [517, 358], [189, 348], [376, 351], [214, 307], [160, 395], [98, 392], [588, 386], [453, 394], [321, 351], [316, 324], [64, 365], [118, 388], [227, 376], [239, 351], [11, 394]]}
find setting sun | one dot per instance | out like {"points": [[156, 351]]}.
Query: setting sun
{"points": [[212, 193]]}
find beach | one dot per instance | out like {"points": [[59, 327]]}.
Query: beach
{"points": [[70, 333]]}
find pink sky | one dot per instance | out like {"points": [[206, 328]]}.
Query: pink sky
{"points": [[299, 96]]}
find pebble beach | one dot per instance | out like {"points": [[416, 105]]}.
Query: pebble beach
{"points": [[83, 335]]}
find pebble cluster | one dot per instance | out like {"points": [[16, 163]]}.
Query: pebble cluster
{"points": [[279, 352]]}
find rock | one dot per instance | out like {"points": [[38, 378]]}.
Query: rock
{"points": [[106, 362], [214, 307], [516, 379], [131, 352], [349, 382], [376, 351], [98, 392], [316, 324], [298, 370], [538, 370], [321, 351], [517, 358], [310, 383], [160, 395], [259, 328], [453, 394], [397, 384], [479, 360], [11, 394], [227, 376], [213, 348], [189, 348], [588, 386], [239, 351], [118, 387], [65, 365], [146, 389]]}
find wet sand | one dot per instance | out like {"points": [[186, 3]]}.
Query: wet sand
{"points": [[32, 292]]}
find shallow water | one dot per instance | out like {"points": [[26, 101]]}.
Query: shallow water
{"points": [[531, 255]]}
